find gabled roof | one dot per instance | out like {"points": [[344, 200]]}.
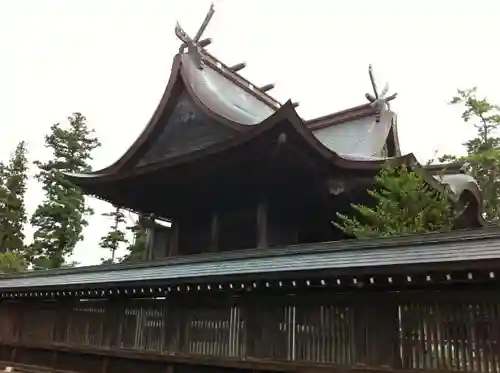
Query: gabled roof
{"points": [[214, 94], [227, 98], [233, 102]]}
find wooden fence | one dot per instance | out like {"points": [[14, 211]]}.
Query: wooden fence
{"points": [[396, 331]]}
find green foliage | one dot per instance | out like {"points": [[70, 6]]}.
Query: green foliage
{"points": [[404, 203], [485, 117], [13, 178], [11, 262], [483, 151], [60, 218], [4, 192], [115, 236], [137, 250]]}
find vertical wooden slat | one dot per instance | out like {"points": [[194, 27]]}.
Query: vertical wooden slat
{"points": [[168, 330], [252, 327], [469, 359], [455, 333], [490, 320], [433, 335], [495, 333], [422, 337], [429, 332], [476, 342]]}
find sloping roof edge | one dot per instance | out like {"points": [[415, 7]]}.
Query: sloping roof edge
{"points": [[286, 114], [239, 80], [342, 116], [150, 126], [481, 244], [177, 76], [165, 104], [395, 136], [444, 168]]}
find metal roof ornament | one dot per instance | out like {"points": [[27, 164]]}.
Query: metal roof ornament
{"points": [[195, 44], [379, 100]]}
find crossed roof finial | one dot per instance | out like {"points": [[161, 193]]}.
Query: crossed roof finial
{"points": [[379, 100], [194, 44]]}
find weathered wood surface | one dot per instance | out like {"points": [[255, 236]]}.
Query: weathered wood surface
{"points": [[436, 332]]}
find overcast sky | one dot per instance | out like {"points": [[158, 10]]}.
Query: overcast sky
{"points": [[111, 61]]}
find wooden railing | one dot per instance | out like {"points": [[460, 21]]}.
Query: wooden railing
{"points": [[391, 331]]}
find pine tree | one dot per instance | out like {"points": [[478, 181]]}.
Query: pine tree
{"points": [[3, 193], [483, 151], [12, 207], [137, 250], [60, 218], [403, 204], [115, 236]]}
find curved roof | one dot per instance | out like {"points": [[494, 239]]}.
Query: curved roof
{"points": [[229, 99], [355, 138], [283, 121], [363, 137], [225, 98]]}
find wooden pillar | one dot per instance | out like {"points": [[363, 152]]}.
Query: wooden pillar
{"points": [[214, 233], [150, 239], [262, 224], [174, 239]]}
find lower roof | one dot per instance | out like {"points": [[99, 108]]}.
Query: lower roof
{"points": [[353, 256]]}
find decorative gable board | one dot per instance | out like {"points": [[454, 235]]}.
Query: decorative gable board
{"points": [[186, 130]]}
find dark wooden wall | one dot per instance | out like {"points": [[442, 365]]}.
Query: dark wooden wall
{"points": [[439, 332]]}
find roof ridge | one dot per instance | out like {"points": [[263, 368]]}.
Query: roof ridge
{"points": [[244, 83], [327, 120], [342, 116], [196, 48]]}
